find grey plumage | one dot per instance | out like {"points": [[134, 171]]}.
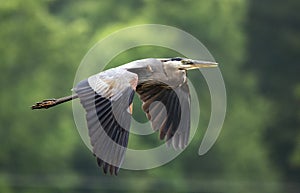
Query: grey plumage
{"points": [[107, 99]]}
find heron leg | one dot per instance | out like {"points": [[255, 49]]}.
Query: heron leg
{"points": [[47, 103]]}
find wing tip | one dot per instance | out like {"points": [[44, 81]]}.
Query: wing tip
{"points": [[107, 168]]}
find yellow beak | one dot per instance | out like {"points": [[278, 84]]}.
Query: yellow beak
{"points": [[194, 64]]}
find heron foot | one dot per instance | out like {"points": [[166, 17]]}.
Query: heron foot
{"points": [[45, 104]]}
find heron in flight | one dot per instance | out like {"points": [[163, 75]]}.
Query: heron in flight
{"points": [[107, 99]]}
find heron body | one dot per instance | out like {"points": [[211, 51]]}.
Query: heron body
{"points": [[107, 99]]}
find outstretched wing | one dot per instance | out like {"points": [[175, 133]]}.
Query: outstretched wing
{"points": [[107, 98], [168, 110]]}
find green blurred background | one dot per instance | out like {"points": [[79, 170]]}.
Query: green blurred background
{"points": [[257, 44]]}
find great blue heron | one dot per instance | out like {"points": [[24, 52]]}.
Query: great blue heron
{"points": [[107, 99]]}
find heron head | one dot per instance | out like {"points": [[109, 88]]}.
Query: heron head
{"points": [[188, 64]]}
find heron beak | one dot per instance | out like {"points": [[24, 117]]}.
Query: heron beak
{"points": [[194, 64]]}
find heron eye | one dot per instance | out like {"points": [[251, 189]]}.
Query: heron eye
{"points": [[184, 62]]}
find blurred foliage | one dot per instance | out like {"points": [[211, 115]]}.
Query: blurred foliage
{"points": [[274, 31], [256, 43]]}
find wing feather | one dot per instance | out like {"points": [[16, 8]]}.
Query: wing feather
{"points": [[106, 98], [168, 109]]}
